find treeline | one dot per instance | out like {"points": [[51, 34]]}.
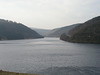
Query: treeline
{"points": [[88, 32], [10, 30]]}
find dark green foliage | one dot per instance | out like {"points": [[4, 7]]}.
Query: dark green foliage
{"points": [[88, 32], [11, 31]]}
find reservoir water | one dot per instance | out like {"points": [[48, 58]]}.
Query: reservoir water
{"points": [[50, 56]]}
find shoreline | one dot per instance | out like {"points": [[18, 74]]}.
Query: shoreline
{"points": [[13, 73]]}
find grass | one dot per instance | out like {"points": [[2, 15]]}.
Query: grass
{"points": [[13, 73]]}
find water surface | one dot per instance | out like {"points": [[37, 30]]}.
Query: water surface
{"points": [[36, 55]]}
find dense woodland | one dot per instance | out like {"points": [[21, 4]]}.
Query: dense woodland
{"points": [[88, 32], [11, 31]]}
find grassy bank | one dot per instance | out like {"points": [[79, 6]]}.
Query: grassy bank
{"points": [[13, 73]]}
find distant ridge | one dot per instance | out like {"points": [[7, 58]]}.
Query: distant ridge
{"points": [[57, 32], [88, 32], [10, 30], [42, 32]]}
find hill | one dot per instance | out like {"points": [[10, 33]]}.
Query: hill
{"points": [[88, 32], [12, 31], [58, 31], [42, 32]]}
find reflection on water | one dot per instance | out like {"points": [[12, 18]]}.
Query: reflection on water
{"points": [[39, 54]]}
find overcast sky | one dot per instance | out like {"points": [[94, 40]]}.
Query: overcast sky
{"points": [[49, 14]]}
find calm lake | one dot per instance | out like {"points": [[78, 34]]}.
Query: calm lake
{"points": [[49, 55]]}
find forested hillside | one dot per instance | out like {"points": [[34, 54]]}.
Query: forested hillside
{"points": [[88, 32], [11, 31]]}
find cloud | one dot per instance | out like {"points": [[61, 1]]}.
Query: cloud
{"points": [[49, 13]]}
